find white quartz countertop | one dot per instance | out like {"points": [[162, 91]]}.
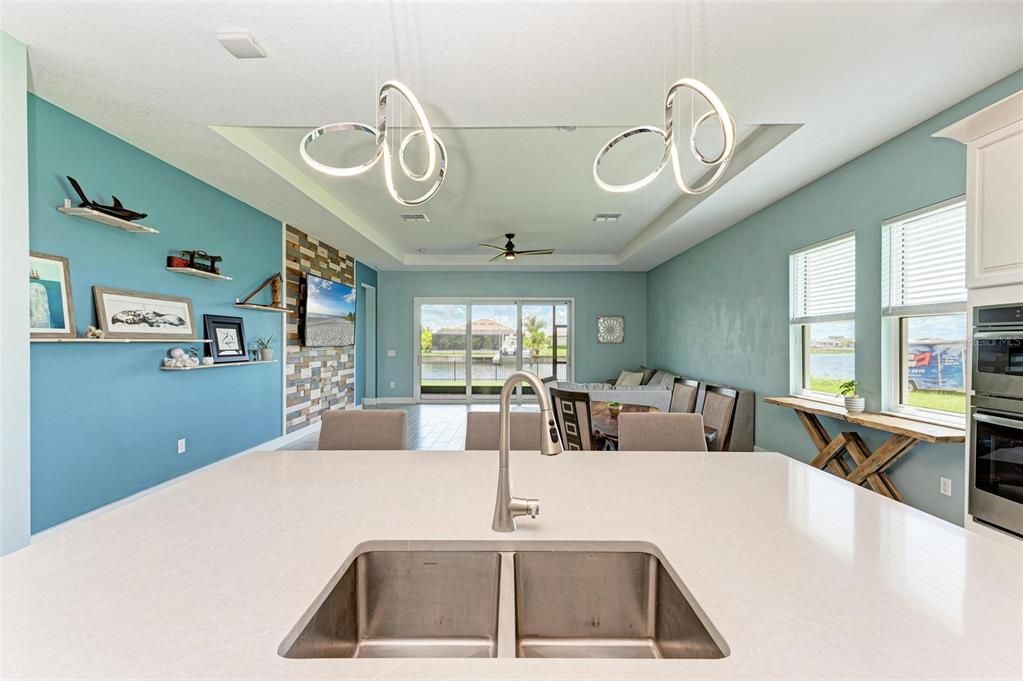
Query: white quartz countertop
{"points": [[803, 575]]}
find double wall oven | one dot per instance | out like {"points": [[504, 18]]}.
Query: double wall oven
{"points": [[996, 409]]}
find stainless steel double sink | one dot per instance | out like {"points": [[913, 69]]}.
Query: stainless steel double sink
{"points": [[535, 599]]}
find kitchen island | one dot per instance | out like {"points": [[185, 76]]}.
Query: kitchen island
{"points": [[802, 574]]}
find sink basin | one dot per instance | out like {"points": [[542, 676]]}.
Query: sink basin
{"points": [[604, 604], [406, 604], [504, 599]]}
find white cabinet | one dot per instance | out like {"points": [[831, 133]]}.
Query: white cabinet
{"points": [[994, 192]]}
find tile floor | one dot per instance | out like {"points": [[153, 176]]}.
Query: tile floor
{"points": [[430, 426]]}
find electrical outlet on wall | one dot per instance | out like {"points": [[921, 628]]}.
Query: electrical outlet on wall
{"points": [[946, 487], [392, 353], [392, 384], [181, 446]]}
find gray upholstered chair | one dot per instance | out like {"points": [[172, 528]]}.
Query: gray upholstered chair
{"points": [[364, 429], [660, 432], [572, 411], [719, 414], [481, 430], [686, 396]]}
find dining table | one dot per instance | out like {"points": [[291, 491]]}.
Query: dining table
{"points": [[605, 423]]}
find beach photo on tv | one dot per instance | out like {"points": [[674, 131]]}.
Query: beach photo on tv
{"points": [[329, 313]]}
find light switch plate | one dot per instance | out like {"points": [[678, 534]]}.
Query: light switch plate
{"points": [[181, 446], [946, 487]]}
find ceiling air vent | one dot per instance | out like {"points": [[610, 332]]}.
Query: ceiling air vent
{"points": [[414, 217], [607, 217], [241, 44]]}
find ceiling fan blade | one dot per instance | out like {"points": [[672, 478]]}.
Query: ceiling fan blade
{"points": [[500, 248], [542, 251], [499, 256]]}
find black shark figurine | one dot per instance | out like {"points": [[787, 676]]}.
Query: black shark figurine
{"points": [[117, 210]]}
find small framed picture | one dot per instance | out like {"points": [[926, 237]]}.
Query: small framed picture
{"points": [[610, 329], [51, 310], [227, 338], [131, 314]]}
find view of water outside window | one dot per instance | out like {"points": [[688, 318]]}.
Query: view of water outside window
{"points": [[934, 372], [831, 348], [495, 345]]}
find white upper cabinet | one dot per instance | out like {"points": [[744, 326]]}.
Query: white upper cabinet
{"points": [[994, 192]]}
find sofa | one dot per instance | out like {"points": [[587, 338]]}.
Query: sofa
{"points": [[655, 390]]}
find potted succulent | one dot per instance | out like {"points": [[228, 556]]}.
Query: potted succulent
{"points": [[264, 346], [614, 408], [854, 403]]}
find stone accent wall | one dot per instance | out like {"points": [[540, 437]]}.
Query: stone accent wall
{"points": [[318, 379]]}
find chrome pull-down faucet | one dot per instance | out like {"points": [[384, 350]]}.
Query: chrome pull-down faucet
{"points": [[507, 507]]}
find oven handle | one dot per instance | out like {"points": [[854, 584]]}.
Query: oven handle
{"points": [[998, 421], [1007, 334]]}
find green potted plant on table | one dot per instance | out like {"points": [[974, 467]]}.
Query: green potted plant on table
{"points": [[854, 402], [614, 408], [264, 346]]}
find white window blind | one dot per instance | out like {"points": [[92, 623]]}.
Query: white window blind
{"points": [[923, 260], [822, 281]]}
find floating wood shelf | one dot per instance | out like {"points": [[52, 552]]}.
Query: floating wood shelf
{"points": [[198, 273], [266, 308], [219, 366], [168, 341], [110, 220]]}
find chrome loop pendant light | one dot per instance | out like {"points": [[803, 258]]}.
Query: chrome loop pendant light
{"points": [[436, 157], [728, 136]]}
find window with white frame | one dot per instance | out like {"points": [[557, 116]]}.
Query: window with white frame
{"points": [[923, 270], [822, 299]]}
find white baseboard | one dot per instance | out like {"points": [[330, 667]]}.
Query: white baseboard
{"points": [[269, 445], [370, 401]]}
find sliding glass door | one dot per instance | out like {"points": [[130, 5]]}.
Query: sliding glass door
{"points": [[467, 348], [442, 345]]}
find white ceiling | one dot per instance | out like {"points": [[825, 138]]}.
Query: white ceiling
{"points": [[811, 85]]}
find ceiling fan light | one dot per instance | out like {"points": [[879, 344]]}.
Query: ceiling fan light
{"points": [[509, 256]]}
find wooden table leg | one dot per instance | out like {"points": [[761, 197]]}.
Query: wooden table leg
{"points": [[829, 449], [860, 453], [893, 449]]}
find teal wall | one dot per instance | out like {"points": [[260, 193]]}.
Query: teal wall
{"points": [[720, 310], [105, 420], [595, 293], [364, 274]]}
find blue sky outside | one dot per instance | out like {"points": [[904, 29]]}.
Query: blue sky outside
{"points": [[441, 316], [329, 298]]}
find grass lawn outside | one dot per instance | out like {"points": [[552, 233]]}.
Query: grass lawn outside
{"points": [[952, 402]]}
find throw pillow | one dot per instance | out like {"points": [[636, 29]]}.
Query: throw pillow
{"points": [[629, 378], [662, 378]]}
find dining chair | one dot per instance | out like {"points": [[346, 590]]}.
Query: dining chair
{"points": [[481, 430], [364, 429], [719, 413], [685, 396], [572, 411], [660, 432]]}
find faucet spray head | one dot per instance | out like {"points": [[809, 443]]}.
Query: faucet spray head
{"points": [[550, 440]]}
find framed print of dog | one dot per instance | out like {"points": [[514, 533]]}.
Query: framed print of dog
{"points": [[137, 315]]}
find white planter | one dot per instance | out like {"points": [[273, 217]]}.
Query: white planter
{"points": [[266, 355], [854, 405]]}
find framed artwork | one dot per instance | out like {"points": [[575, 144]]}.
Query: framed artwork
{"points": [[610, 329], [50, 307], [132, 314], [329, 318], [227, 338]]}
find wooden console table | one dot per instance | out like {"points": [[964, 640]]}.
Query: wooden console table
{"points": [[868, 467]]}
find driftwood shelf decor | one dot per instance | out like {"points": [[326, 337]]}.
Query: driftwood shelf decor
{"points": [[276, 304]]}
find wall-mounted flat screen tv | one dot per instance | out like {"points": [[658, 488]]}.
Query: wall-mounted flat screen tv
{"points": [[329, 313]]}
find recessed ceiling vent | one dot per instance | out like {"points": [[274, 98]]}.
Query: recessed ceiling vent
{"points": [[414, 217], [241, 44], [607, 217]]}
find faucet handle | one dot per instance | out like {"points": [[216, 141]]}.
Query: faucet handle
{"points": [[520, 507]]}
